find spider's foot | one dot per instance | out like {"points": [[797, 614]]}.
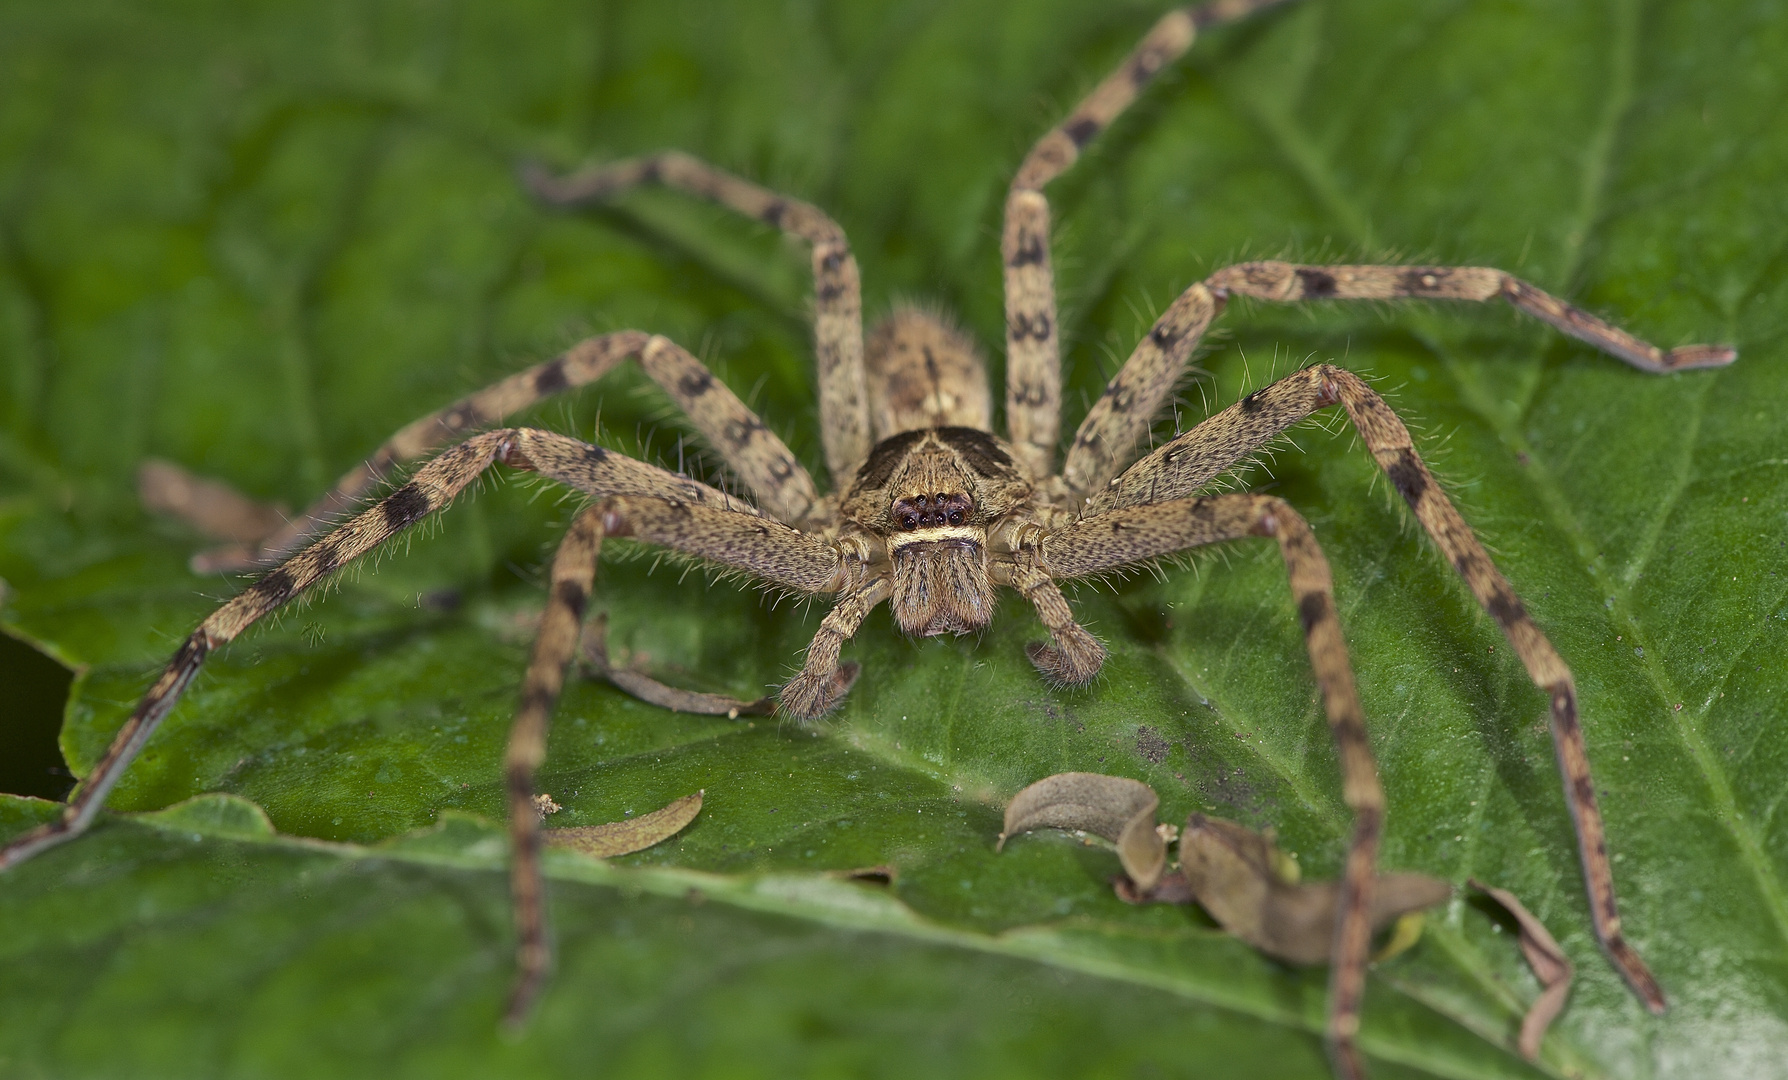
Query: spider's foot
{"points": [[811, 695], [1685, 357], [1073, 661]]}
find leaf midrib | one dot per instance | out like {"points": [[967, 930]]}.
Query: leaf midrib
{"points": [[816, 898]]}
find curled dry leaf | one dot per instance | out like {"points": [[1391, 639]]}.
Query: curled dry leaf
{"points": [[648, 689], [1234, 873], [1119, 809], [1550, 966], [217, 510], [624, 837]]}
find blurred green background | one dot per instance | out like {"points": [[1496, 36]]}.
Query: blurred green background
{"points": [[255, 238]]}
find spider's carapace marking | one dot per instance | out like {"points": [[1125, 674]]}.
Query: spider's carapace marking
{"points": [[930, 511]]}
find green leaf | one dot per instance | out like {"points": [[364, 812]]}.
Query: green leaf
{"points": [[256, 239]]}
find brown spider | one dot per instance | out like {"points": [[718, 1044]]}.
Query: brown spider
{"points": [[929, 509]]}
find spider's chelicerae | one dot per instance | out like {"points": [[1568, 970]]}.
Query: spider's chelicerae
{"points": [[930, 510]]}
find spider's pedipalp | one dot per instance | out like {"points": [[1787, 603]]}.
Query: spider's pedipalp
{"points": [[745, 542], [823, 681], [1074, 656], [638, 501]]}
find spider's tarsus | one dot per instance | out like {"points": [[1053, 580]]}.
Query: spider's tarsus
{"points": [[1062, 669], [809, 696], [1689, 357]]}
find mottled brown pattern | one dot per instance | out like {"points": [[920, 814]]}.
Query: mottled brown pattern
{"points": [[925, 373]]}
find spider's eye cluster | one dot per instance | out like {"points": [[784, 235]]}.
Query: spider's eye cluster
{"points": [[931, 511]]}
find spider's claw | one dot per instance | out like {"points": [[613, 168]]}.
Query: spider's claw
{"points": [[1074, 665], [811, 695]]}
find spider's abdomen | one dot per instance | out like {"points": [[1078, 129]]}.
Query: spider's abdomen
{"points": [[924, 373]]}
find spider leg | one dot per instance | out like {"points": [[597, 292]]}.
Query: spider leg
{"points": [[822, 681], [790, 558], [1122, 415], [573, 575], [1033, 353], [1138, 533], [1075, 655], [642, 686], [1282, 281], [433, 486], [837, 291], [1186, 464], [684, 516], [749, 448]]}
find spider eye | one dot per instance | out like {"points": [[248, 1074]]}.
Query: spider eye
{"points": [[909, 521], [922, 500], [956, 517]]}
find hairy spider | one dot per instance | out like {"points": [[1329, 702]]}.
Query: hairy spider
{"points": [[929, 510]]}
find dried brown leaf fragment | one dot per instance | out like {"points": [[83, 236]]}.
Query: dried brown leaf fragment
{"points": [[1549, 964], [626, 837], [648, 689], [214, 508], [1238, 876], [1117, 808]]}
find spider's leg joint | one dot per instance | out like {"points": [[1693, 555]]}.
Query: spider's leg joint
{"points": [[508, 454]]}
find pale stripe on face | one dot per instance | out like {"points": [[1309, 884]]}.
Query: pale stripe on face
{"points": [[937, 533]]}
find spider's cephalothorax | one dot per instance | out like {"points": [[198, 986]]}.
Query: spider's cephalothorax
{"points": [[929, 509], [937, 481]]}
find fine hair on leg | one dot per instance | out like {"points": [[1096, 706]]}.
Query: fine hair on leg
{"points": [[573, 575], [1189, 462], [1033, 346], [837, 290], [1134, 397], [1104, 542], [433, 487], [753, 453]]}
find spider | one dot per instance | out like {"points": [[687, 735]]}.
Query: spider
{"points": [[931, 511]]}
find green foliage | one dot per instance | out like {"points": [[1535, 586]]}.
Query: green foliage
{"points": [[257, 238]]}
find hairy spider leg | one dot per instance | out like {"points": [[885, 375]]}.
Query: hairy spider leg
{"points": [[822, 681], [1134, 397], [733, 538], [433, 486], [810, 566], [573, 576], [1033, 353], [1074, 656], [1186, 464], [837, 290], [767, 549], [781, 483], [1132, 534]]}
